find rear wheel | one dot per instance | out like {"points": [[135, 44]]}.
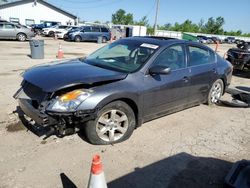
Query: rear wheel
{"points": [[21, 37], [78, 38], [104, 39], [115, 123], [215, 92]]}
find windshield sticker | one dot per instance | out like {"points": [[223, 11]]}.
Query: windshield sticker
{"points": [[146, 45]]}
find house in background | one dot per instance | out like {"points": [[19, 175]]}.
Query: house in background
{"points": [[28, 12]]}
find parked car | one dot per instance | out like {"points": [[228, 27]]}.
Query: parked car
{"points": [[50, 31], [61, 34], [230, 40], [122, 85], [240, 57], [239, 41], [14, 31], [38, 28], [216, 39], [204, 39], [89, 33]]}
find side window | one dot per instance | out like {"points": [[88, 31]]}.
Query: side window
{"points": [[172, 57], [200, 56], [14, 20], [104, 29], [29, 21], [95, 29], [1, 26], [87, 29]]}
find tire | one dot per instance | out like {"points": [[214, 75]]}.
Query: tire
{"points": [[78, 38], [51, 34], [215, 92], [114, 131], [104, 39], [21, 37]]}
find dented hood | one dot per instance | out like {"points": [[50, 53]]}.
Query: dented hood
{"points": [[55, 76]]}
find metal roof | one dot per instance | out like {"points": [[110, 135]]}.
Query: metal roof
{"points": [[21, 2]]}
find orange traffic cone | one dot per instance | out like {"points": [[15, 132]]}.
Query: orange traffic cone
{"points": [[97, 178], [60, 52]]}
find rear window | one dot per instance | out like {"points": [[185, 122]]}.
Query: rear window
{"points": [[104, 29], [95, 29], [200, 56]]}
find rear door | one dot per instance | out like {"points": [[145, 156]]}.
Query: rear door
{"points": [[8, 31], [95, 33], [166, 92], [202, 65]]}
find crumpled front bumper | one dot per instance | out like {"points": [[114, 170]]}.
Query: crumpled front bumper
{"points": [[34, 114], [50, 118]]}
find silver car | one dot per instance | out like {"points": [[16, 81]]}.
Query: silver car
{"points": [[13, 31]]}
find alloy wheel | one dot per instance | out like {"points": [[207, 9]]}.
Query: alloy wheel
{"points": [[216, 92], [112, 125]]}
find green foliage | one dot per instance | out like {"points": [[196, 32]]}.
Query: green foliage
{"points": [[214, 26], [120, 17], [143, 21], [211, 26]]}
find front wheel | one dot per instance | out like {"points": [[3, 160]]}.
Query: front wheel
{"points": [[78, 38], [215, 92], [115, 123]]}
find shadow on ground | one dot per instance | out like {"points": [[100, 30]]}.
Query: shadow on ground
{"points": [[181, 170], [66, 182], [242, 74]]}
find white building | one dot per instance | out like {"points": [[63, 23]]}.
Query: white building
{"points": [[28, 12]]}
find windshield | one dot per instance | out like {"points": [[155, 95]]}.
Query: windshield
{"points": [[123, 56]]}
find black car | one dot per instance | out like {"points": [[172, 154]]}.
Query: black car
{"points": [[240, 56], [229, 40], [122, 85], [38, 28]]}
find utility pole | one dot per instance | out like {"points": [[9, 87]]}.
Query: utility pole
{"points": [[156, 16]]}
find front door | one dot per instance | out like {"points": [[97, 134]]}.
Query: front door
{"points": [[164, 93]]}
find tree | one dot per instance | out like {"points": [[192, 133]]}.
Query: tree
{"points": [[214, 26], [143, 21], [120, 17]]}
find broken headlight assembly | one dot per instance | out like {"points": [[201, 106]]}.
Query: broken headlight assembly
{"points": [[68, 102]]}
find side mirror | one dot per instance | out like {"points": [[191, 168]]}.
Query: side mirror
{"points": [[159, 69]]}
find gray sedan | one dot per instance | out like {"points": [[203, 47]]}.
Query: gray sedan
{"points": [[14, 31], [122, 85]]}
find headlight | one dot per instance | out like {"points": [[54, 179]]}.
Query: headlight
{"points": [[70, 101]]}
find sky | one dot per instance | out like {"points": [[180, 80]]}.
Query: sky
{"points": [[235, 12]]}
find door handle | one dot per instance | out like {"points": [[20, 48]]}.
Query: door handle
{"points": [[214, 70]]}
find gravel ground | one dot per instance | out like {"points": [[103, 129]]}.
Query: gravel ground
{"points": [[192, 148]]}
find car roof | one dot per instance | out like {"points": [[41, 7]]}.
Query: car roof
{"points": [[160, 41]]}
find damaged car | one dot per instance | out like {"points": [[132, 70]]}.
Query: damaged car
{"points": [[240, 56], [122, 85]]}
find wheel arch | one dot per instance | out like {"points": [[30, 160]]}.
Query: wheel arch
{"points": [[20, 33], [129, 101]]}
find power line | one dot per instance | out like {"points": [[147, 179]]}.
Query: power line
{"points": [[151, 9], [97, 6], [82, 2]]}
